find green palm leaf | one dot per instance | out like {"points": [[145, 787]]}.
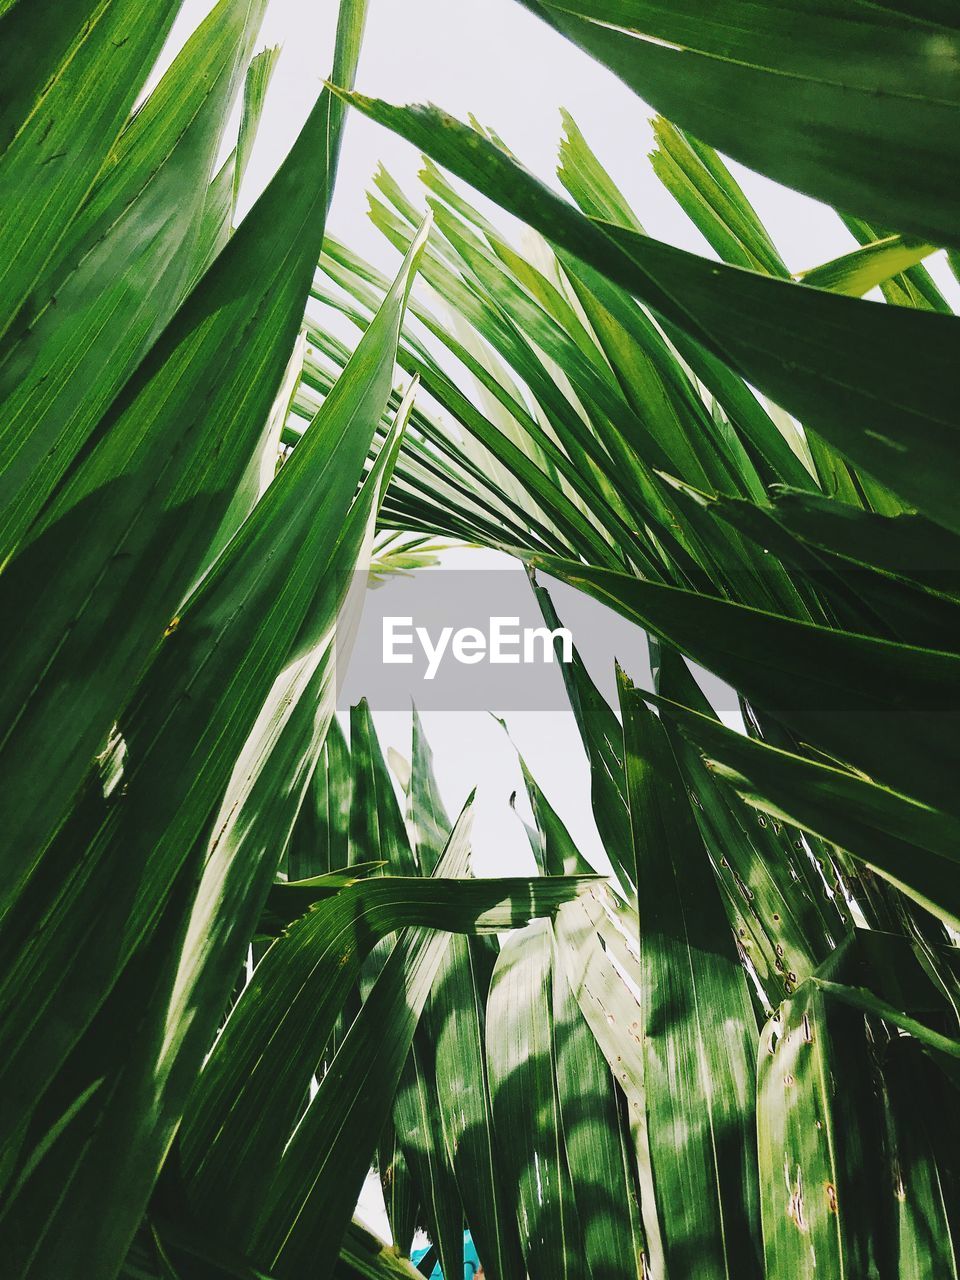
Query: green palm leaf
{"points": [[73, 72], [874, 381], [526, 1108], [98, 318], [696, 1026], [92, 632], [792, 95]]}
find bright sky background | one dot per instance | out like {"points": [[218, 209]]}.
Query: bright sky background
{"points": [[494, 59]]}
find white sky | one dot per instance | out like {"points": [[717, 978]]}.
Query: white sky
{"points": [[494, 59]]}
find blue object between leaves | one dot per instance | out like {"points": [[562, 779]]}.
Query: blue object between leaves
{"points": [[471, 1262]]}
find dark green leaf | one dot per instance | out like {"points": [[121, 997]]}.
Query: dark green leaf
{"points": [[854, 103], [696, 1027]]}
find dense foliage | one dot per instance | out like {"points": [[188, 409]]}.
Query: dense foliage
{"points": [[237, 970]]}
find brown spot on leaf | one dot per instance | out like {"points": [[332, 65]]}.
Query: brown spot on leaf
{"points": [[795, 1204]]}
